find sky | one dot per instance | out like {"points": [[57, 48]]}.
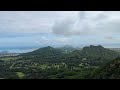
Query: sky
{"points": [[58, 28]]}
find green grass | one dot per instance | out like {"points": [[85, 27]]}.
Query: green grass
{"points": [[8, 58], [20, 74]]}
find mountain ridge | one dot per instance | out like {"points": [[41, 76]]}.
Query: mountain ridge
{"points": [[92, 54]]}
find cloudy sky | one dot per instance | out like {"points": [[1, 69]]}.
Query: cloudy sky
{"points": [[56, 28]]}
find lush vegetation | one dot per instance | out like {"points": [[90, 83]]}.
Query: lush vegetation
{"points": [[94, 62], [110, 71]]}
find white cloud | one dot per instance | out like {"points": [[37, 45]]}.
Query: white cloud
{"points": [[62, 39], [46, 40]]}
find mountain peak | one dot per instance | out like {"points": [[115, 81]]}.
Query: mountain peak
{"points": [[99, 51], [96, 46], [67, 46], [49, 47]]}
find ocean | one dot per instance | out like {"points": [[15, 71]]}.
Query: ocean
{"points": [[17, 50]]}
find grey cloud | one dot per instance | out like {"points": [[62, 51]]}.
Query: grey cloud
{"points": [[63, 27], [89, 23], [109, 37], [101, 16], [30, 21], [82, 15], [71, 26], [109, 27], [76, 23]]}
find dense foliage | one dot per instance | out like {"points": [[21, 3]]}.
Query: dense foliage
{"points": [[110, 71], [54, 63]]}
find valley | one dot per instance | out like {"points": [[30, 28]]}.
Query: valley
{"points": [[58, 63]]}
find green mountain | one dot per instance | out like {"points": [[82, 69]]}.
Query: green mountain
{"points": [[96, 55], [92, 55], [46, 50], [98, 51], [43, 54], [51, 63], [110, 71]]}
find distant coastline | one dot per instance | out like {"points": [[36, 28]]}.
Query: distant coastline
{"points": [[17, 50], [29, 49]]}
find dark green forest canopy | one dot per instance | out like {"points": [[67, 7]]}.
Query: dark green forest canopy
{"points": [[110, 71]]}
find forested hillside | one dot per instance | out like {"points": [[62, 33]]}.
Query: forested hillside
{"points": [[110, 71], [52, 63]]}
